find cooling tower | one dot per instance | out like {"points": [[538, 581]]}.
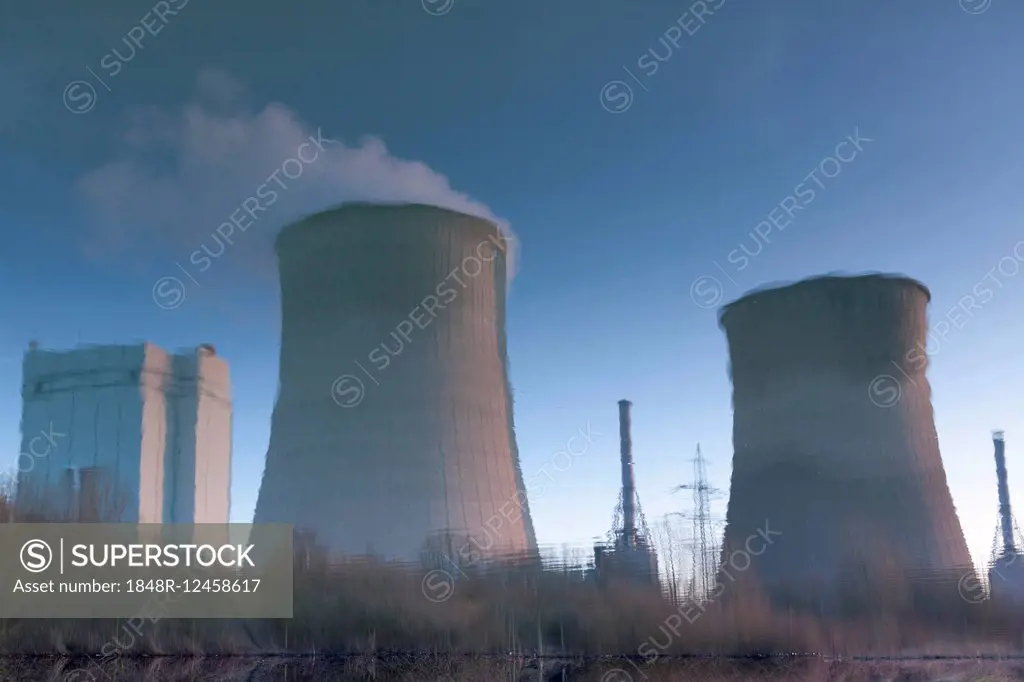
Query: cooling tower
{"points": [[837, 480], [393, 434]]}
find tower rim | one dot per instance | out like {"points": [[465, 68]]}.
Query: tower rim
{"points": [[355, 207], [780, 290]]}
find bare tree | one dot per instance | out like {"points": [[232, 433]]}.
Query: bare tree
{"points": [[99, 500], [669, 539], [6, 500], [95, 498]]}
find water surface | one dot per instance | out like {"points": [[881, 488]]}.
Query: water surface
{"points": [[423, 668]]}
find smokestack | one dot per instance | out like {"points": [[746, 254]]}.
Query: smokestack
{"points": [[628, 484], [1005, 523]]}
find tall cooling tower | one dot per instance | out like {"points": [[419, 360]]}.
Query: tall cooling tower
{"points": [[837, 479], [393, 434]]}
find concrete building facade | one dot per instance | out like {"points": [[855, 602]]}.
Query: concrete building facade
{"points": [[137, 435], [392, 435], [836, 457]]}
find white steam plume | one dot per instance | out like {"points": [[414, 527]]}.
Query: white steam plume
{"points": [[182, 175]]}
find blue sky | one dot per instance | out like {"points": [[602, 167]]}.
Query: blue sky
{"points": [[617, 213]]}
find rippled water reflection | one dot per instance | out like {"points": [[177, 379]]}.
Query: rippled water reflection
{"points": [[450, 669]]}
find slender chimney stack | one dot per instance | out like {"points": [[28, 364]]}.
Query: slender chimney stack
{"points": [[628, 484], [1005, 516]]}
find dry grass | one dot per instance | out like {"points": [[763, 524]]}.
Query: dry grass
{"points": [[369, 608], [373, 608]]}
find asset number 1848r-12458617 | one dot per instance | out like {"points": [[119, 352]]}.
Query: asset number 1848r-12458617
{"points": [[187, 585]]}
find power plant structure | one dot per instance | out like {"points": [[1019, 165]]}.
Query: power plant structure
{"points": [[1006, 570], [392, 435], [129, 434], [838, 497], [630, 554]]}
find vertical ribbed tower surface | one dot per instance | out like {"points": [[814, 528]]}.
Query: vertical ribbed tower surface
{"points": [[393, 426], [835, 447]]}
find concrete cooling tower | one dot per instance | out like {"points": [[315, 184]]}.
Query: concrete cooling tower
{"points": [[837, 480], [393, 433]]}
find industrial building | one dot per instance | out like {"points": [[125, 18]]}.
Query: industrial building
{"points": [[836, 456], [1006, 570], [126, 433], [392, 435], [630, 556]]}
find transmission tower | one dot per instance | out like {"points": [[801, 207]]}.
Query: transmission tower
{"points": [[705, 550]]}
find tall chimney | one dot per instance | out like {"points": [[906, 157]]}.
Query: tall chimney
{"points": [[628, 484], [1005, 523]]}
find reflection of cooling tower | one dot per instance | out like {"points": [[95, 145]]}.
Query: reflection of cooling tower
{"points": [[835, 446], [413, 447]]}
